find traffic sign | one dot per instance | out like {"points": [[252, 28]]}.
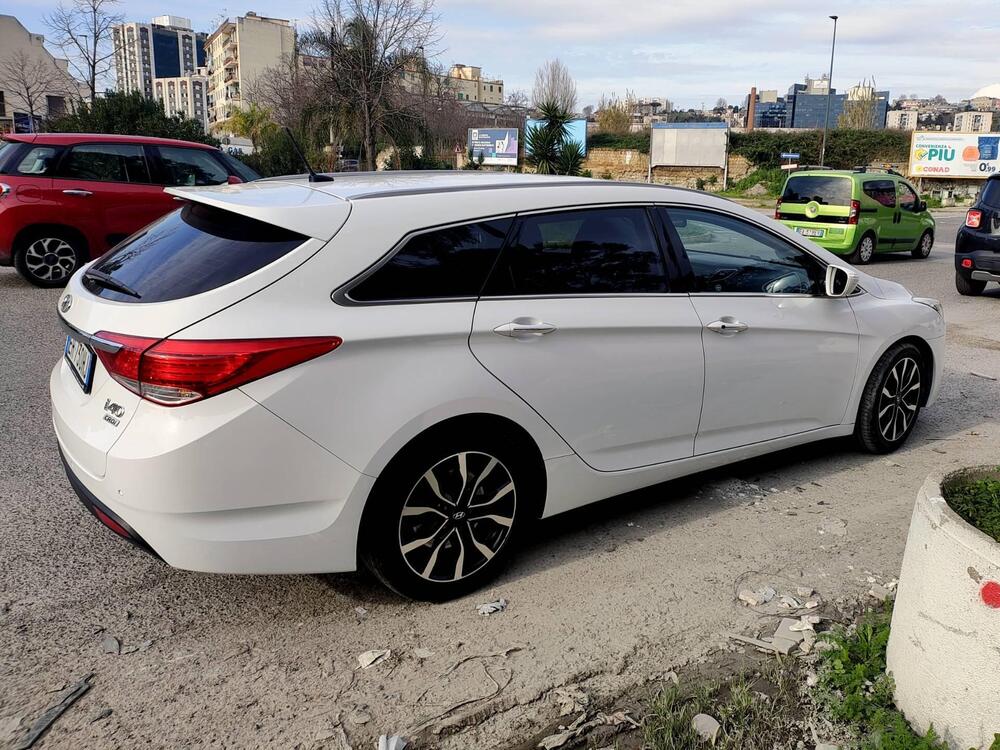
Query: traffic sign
{"points": [[789, 156]]}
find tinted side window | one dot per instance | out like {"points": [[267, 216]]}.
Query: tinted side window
{"points": [[451, 262], [907, 198], [245, 173], [882, 191], [37, 161], [991, 194], [107, 162], [734, 256], [190, 251], [596, 251], [190, 166]]}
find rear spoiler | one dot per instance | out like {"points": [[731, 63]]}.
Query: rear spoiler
{"points": [[297, 208]]}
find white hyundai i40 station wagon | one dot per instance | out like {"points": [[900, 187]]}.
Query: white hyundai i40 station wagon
{"points": [[406, 370]]}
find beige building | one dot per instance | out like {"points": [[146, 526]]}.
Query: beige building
{"points": [[32, 80], [973, 122], [167, 47], [237, 53], [186, 96], [466, 82], [902, 119]]}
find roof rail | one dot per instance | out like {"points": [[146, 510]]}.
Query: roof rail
{"points": [[810, 166], [882, 170]]}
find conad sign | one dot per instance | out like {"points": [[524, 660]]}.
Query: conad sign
{"points": [[956, 155]]}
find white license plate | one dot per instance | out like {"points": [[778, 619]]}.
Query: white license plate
{"points": [[807, 232], [80, 358]]}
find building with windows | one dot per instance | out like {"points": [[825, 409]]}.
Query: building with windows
{"points": [[45, 90], [973, 122], [238, 52], [804, 105], [186, 96], [466, 82], [987, 99], [167, 47], [902, 119]]}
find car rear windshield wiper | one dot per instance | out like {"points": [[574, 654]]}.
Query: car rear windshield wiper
{"points": [[108, 282]]}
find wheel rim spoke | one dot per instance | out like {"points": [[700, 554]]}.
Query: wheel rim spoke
{"points": [[899, 399]]}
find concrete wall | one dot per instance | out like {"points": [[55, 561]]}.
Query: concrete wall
{"points": [[944, 647], [629, 165]]}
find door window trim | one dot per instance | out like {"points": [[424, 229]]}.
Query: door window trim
{"points": [[711, 209], [67, 150]]}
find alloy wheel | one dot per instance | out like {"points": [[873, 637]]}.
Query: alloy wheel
{"points": [[899, 399], [457, 516], [866, 250], [925, 245], [50, 259]]}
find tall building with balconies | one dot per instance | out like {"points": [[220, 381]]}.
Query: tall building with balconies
{"points": [[238, 51], [186, 96], [167, 47]]}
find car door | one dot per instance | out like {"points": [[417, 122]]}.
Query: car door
{"points": [[107, 188], [910, 225], [780, 358], [880, 200], [578, 319]]}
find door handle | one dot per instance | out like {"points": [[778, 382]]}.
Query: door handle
{"points": [[727, 326], [78, 193], [520, 328]]}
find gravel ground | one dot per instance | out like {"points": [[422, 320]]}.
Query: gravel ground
{"points": [[607, 597]]}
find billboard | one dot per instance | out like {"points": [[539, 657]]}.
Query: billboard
{"points": [[576, 130], [689, 144], [497, 145], [954, 155]]}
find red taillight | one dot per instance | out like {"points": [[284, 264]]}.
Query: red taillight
{"points": [[176, 371], [777, 209], [111, 523], [852, 218], [966, 262], [974, 218]]}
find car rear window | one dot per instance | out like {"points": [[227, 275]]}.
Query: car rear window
{"points": [[827, 191], [190, 251], [991, 194]]}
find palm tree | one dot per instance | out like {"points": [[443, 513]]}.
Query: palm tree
{"points": [[251, 122], [548, 150]]}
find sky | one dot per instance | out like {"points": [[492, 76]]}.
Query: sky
{"points": [[689, 51]]}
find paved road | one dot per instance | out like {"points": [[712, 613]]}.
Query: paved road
{"points": [[605, 597]]}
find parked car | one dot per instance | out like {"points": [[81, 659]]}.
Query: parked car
{"points": [[407, 370], [67, 198], [857, 213], [977, 247]]}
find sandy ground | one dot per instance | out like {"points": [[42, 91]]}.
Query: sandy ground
{"points": [[606, 597]]}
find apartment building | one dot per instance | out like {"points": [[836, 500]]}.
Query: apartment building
{"points": [[466, 82], [186, 96], [237, 53], [165, 48], [902, 119], [973, 122]]}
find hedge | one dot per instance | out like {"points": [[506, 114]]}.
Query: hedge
{"points": [[844, 148]]}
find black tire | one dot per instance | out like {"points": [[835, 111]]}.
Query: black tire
{"points": [[48, 257], [865, 250], [924, 245], [890, 403], [968, 287], [474, 547]]}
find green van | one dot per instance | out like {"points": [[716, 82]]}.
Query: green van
{"points": [[857, 212]]}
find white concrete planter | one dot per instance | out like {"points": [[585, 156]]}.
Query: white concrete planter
{"points": [[944, 647]]}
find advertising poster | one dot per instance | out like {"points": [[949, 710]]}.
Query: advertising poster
{"points": [[497, 145], [954, 155]]}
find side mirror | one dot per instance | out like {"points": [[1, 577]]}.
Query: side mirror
{"points": [[922, 206], [234, 180], [840, 281]]}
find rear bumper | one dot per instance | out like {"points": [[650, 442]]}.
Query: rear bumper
{"points": [[982, 250], [222, 487], [837, 238]]}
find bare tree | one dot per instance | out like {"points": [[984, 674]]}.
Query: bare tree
{"points": [[82, 30], [861, 109], [721, 104], [30, 80], [516, 98], [371, 45], [554, 85]]}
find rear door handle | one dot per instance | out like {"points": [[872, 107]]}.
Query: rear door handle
{"points": [[521, 328], [78, 193], [727, 326]]}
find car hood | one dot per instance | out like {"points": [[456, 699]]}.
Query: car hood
{"points": [[882, 288]]}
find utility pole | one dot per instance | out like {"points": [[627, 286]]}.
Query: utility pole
{"points": [[829, 94]]}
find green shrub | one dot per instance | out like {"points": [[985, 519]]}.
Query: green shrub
{"points": [[635, 141], [844, 148], [976, 498]]}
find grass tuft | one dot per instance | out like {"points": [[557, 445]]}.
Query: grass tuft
{"points": [[976, 498]]}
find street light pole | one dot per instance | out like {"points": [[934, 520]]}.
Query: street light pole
{"points": [[829, 93]]}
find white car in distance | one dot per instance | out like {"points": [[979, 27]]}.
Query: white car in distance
{"points": [[408, 369]]}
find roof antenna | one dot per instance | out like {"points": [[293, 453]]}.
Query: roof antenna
{"points": [[313, 177]]}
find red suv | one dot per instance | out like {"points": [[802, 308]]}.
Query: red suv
{"points": [[67, 198]]}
